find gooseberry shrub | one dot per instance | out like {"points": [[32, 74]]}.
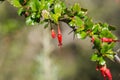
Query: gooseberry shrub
{"points": [[51, 12]]}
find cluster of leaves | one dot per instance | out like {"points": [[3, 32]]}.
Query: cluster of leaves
{"points": [[54, 11], [104, 48]]}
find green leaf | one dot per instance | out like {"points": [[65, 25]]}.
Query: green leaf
{"points": [[110, 56], [94, 57], [29, 21], [50, 1], [105, 48], [97, 42], [84, 10], [89, 24], [81, 28], [55, 17], [111, 45], [72, 23], [15, 3], [34, 4], [101, 61], [104, 25], [33, 15], [81, 35], [58, 8], [106, 33], [110, 51], [45, 5], [81, 14], [20, 11], [111, 27], [76, 8], [78, 21], [22, 2], [96, 29]]}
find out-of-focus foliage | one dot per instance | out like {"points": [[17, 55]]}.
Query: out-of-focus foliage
{"points": [[19, 51], [9, 27]]}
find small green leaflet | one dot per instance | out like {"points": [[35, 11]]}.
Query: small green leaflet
{"points": [[101, 61], [76, 7], [78, 21], [94, 57], [15, 3], [81, 35], [58, 8]]}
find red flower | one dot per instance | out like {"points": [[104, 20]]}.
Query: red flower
{"points": [[60, 39], [105, 72], [53, 34], [104, 39], [59, 36]]}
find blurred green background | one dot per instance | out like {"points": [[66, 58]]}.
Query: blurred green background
{"points": [[29, 52]]}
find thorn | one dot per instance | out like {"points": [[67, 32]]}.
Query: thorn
{"points": [[70, 32], [117, 58]]}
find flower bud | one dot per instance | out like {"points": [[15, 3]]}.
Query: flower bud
{"points": [[53, 34], [107, 39]]}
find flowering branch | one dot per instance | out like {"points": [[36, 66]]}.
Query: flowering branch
{"points": [[54, 11]]}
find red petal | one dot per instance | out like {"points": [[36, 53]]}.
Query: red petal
{"points": [[108, 74]]}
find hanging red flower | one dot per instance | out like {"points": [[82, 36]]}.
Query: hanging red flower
{"points": [[59, 36], [105, 72], [109, 40], [53, 34]]}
